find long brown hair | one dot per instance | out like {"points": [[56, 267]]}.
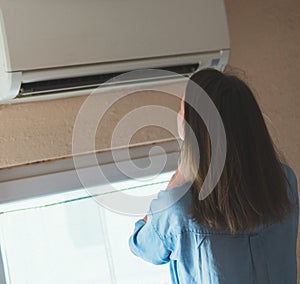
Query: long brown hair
{"points": [[252, 188]]}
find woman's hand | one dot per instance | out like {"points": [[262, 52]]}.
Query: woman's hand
{"points": [[176, 180]]}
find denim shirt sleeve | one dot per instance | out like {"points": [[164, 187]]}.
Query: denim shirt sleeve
{"points": [[145, 242], [152, 240]]}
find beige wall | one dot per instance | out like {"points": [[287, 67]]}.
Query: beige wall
{"points": [[265, 45], [43, 130]]}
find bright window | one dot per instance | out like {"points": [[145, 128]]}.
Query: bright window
{"points": [[68, 238]]}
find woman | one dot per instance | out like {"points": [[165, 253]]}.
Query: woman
{"points": [[245, 231]]}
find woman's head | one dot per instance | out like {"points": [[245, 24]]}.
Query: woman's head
{"points": [[252, 187]]}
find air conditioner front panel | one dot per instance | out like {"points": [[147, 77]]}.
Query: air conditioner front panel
{"points": [[43, 34]]}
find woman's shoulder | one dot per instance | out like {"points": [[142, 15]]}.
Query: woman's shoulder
{"points": [[292, 182], [288, 171]]}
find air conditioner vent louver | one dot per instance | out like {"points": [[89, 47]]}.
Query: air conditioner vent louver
{"points": [[94, 81]]}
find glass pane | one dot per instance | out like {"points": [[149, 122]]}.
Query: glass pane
{"points": [[70, 239]]}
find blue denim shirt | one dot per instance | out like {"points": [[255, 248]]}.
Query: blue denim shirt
{"points": [[197, 254]]}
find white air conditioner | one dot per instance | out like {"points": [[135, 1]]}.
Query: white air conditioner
{"points": [[51, 48]]}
